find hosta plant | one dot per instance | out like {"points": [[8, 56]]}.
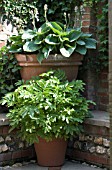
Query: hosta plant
{"points": [[48, 106], [51, 37]]}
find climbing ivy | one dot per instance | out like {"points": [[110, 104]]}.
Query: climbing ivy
{"points": [[9, 71], [100, 61]]}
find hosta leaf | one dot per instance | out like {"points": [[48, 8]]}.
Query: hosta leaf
{"points": [[29, 34], [31, 46], [52, 39], [15, 38], [56, 28], [38, 40], [86, 35], [62, 38], [90, 43], [81, 49], [67, 51], [74, 35], [46, 51], [15, 49], [40, 57], [80, 42], [43, 29]]}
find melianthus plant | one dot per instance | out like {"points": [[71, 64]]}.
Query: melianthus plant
{"points": [[47, 107]]}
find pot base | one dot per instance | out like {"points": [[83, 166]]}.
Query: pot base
{"points": [[52, 153]]}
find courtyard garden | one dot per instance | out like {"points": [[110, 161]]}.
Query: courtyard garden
{"points": [[54, 62]]}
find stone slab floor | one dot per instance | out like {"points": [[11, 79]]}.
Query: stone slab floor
{"points": [[69, 165]]}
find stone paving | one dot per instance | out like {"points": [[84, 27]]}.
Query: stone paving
{"points": [[69, 165]]}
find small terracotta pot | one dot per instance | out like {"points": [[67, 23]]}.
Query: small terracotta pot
{"points": [[31, 67], [50, 153]]}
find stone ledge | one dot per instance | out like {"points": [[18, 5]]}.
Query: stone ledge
{"points": [[100, 118]]}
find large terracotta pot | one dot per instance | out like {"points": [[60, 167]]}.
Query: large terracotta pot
{"points": [[31, 67], [50, 153]]}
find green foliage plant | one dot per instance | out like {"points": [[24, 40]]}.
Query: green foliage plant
{"points": [[9, 71], [48, 106], [51, 37]]}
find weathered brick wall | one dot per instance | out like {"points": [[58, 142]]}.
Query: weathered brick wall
{"points": [[12, 148], [96, 85], [102, 91], [92, 146], [86, 20]]}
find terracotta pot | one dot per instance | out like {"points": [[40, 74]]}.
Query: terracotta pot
{"points": [[31, 67], [50, 153]]}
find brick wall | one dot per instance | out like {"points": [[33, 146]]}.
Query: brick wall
{"points": [[102, 91], [92, 146], [12, 148], [96, 85]]}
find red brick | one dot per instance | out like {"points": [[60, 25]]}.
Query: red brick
{"points": [[104, 84], [85, 29], [6, 130], [5, 156], [104, 100], [85, 23], [27, 152], [84, 156], [102, 94], [1, 130], [96, 130], [87, 10], [86, 16], [16, 154], [104, 76]]}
